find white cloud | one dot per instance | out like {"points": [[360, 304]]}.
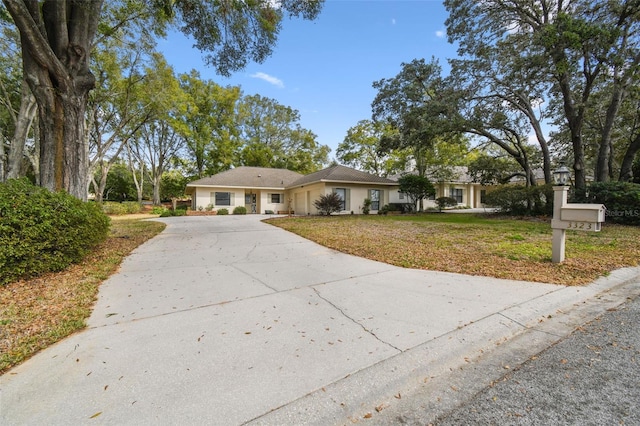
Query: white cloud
{"points": [[393, 21], [440, 34], [269, 79]]}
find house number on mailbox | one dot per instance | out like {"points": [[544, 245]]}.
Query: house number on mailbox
{"points": [[581, 225]]}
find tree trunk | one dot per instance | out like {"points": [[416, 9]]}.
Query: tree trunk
{"points": [[626, 168], [100, 186], [604, 152], [138, 183], [56, 38], [24, 121], [156, 182], [2, 161], [63, 149]]}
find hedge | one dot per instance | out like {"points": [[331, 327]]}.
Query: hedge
{"points": [[522, 200], [622, 200], [126, 207], [42, 231]]}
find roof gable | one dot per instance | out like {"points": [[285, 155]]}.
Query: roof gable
{"points": [[338, 173]]}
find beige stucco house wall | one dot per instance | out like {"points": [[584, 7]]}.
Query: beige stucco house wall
{"points": [[352, 185]]}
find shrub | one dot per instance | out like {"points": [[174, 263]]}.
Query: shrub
{"points": [[132, 207], [444, 202], [384, 209], [401, 207], [222, 212], [366, 206], [113, 208], [622, 200], [522, 200], [240, 210], [158, 210], [127, 207], [170, 213], [328, 203], [42, 231]]}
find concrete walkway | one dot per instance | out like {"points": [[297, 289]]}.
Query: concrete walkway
{"points": [[225, 320]]}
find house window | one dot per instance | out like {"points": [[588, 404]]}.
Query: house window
{"points": [[400, 195], [374, 196], [456, 193], [223, 199], [342, 193], [276, 198], [483, 195]]}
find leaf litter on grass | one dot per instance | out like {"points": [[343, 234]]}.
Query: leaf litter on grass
{"points": [[37, 312], [473, 245]]}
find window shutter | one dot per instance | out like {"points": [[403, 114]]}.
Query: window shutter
{"points": [[347, 202]]}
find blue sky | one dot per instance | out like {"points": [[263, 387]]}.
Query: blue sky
{"points": [[325, 68]]}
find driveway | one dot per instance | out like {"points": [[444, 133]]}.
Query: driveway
{"points": [[227, 320]]}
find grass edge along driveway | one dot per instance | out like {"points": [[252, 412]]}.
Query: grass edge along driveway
{"points": [[38, 312], [509, 248]]}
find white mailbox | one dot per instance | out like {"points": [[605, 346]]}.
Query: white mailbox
{"points": [[591, 213]]}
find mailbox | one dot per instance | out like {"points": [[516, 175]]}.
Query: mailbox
{"points": [[592, 213]]}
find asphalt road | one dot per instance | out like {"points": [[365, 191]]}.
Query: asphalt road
{"points": [[591, 377]]}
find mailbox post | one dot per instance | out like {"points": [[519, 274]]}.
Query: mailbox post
{"points": [[582, 217], [558, 233]]}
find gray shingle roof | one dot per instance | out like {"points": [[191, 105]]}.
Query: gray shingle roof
{"points": [[250, 177], [340, 173]]}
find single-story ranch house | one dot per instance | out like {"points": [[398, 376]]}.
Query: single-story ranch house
{"points": [[266, 190]]}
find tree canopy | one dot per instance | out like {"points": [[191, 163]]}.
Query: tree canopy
{"points": [[57, 39], [580, 57], [417, 188]]}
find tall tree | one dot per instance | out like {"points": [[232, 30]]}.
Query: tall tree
{"points": [[159, 139], [417, 105], [570, 44], [501, 96], [360, 149], [211, 133], [57, 38], [115, 111], [411, 103], [272, 136], [19, 112]]}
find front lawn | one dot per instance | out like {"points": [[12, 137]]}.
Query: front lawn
{"points": [[518, 249]]}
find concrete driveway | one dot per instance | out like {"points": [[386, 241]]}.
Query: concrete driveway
{"points": [[227, 320]]}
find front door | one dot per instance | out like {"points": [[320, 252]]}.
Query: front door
{"points": [[250, 201]]}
